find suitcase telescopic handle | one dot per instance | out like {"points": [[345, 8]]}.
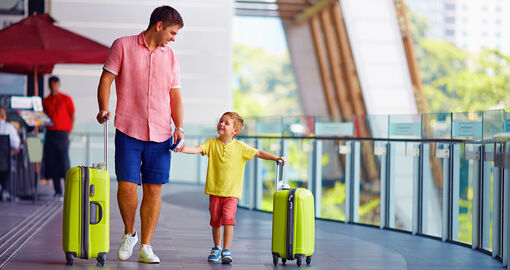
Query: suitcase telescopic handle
{"points": [[280, 182], [106, 142]]}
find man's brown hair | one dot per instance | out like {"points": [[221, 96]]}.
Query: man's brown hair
{"points": [[167, 15], [238, 120]]}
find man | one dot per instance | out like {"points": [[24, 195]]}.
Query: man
{"points": [[60, 108], [146, 74], [7, 128]]}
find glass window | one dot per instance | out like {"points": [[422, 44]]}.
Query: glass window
{"points": [[449, 6], [450, 32], [450, 19]]}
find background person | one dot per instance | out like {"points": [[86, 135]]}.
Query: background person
{"points": [[60, 108]]}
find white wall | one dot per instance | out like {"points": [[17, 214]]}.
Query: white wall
{"points": [[203, 46]]}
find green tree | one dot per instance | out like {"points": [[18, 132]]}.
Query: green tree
{"points": [[455, 80], [264, 83]]}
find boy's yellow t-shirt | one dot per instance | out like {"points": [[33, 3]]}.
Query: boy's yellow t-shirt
{"points": [[225, 168]]}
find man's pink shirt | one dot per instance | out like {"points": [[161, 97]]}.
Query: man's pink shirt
{"points": [[143, 82]]}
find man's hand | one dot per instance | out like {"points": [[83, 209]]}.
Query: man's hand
{"points": [[178, 134], [101, 116]]}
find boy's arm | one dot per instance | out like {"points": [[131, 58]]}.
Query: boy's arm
{"points": [[192, 149], [268, 156]]}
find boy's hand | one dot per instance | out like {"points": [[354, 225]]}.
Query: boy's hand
{"points": [[283, 160]]}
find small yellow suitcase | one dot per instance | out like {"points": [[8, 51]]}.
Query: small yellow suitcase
{"points": [[86, 222], [293, 222]]}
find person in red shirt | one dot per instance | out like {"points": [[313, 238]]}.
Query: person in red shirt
{"points": [[60, 108]]}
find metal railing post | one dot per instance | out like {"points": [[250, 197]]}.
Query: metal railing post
{"points": [[317, 176]]}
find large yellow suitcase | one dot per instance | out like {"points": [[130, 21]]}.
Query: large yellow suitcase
{"points": [[86, 222], [293, 235]]}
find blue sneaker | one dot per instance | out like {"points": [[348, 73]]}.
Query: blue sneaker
{"points": [[226, 256], [215, 254]]}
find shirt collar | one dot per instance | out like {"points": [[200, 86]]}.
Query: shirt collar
{"points": [[141, 41]]}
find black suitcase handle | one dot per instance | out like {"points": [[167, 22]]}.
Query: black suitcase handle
{"points": [[93, 214]]}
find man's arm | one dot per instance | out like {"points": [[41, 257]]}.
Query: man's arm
{"points": [[177, 113], [103, 95], [268, 156]]}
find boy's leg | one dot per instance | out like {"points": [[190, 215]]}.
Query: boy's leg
{"points": [[216, 234], [228, 233], [228, 213], [215, 222], [149, 211]]}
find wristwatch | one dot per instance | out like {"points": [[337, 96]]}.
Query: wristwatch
{"points": [[180, 128]]}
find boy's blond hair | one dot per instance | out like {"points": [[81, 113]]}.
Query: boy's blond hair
{"points": [[238, 120]]}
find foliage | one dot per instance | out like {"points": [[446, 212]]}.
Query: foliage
{"points": [[264, 83], [456, 80]]}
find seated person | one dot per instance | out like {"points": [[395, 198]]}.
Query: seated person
{"points": [[7, 128]]}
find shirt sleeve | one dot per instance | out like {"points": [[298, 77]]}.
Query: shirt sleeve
{"points": [[176, 72], [205, 147], [248, 151], [13, 136], [113, 61]]}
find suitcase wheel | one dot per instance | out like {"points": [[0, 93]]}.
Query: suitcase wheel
{"points": [[298, 261], [69, 258], [309, 260], [275, 258], [101, 259], [284, 261]]}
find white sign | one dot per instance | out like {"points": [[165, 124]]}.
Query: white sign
{"points": [[21, 102]]}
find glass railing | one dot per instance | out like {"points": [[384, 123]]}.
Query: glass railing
{"points": [[439, 175]]}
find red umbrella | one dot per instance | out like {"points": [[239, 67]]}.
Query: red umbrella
{"points": [[34, 45]]}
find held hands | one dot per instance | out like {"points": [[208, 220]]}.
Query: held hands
{"points": [[101, 116], [179, 135]]}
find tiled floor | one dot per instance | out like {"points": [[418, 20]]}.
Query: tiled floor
{"points": [[183, 240]]}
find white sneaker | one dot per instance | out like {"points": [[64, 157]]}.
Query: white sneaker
{"points": [[126, 246], [146, 255]]}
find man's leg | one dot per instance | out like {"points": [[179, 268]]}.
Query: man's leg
{"points": [[128, 202], [149, 211]]}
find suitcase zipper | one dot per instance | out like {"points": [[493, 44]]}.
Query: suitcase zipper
{"points": [[290, 223], [85, 213]]}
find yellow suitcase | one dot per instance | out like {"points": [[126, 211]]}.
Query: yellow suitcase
{"points": [[86, 222], [293, 235]]}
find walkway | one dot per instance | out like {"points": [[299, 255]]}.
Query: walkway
{"points": [[182, 241]]}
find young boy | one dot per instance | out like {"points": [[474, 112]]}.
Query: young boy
{"points": [[224, 184]]}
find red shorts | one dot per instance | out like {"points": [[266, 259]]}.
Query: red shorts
{"points": [[223, 210]]}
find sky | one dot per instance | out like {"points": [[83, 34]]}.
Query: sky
{"points": [[261, 32]]}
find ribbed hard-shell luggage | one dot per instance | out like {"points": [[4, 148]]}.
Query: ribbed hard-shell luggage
{"points": [[293, 222], [86, 222]]}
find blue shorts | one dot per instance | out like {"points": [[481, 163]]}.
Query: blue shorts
{"points": [[133, 157]]}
